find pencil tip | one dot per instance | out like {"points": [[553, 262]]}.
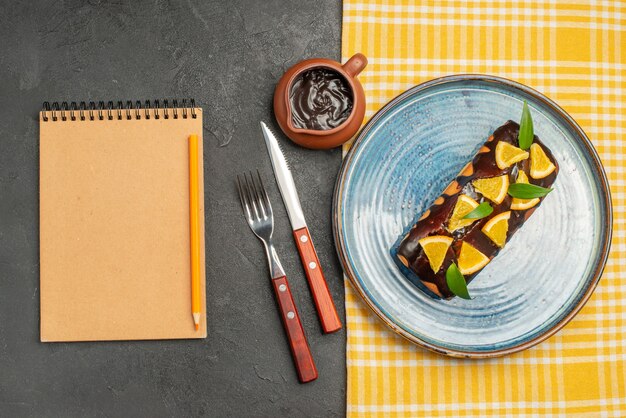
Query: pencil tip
{"points": [[196, 320]]}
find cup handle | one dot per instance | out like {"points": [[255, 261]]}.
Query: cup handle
{"points": [[355, 65]]}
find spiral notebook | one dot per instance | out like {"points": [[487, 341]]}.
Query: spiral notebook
{"points": [[114, 221]]}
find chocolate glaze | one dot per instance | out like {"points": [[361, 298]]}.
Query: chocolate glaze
{"points": [[320, 99], [436, 217]]}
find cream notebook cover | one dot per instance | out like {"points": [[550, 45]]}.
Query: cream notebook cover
{"points": [[114, 222]]}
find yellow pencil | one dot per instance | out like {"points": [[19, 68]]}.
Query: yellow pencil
{"points": [[194, 231]]}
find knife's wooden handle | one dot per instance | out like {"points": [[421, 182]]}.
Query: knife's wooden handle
{"points": [[305, 366], [319, 289]]}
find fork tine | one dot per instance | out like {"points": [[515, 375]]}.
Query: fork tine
{"points": [[244, 202], [251, 196], [266, 198], [255, 196], [258, 192]]}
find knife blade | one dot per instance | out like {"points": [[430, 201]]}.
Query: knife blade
{"points": [[324, 304], [284, 179]]}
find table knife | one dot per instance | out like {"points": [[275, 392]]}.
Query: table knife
{"points": [[310, 262]]}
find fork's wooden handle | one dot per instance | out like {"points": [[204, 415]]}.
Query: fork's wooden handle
{"points": [[319, 289], [305, 366]]}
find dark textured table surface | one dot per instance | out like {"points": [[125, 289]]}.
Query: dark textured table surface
{"points": [[228, 55]]}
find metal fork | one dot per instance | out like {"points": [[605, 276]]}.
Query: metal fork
{"points": [[258, 212]]}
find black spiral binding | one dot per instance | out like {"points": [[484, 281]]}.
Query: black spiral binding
{"points": [[89, 110]]}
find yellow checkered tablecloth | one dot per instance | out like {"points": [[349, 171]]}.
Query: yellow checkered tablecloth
{"points": [[575, 53]]}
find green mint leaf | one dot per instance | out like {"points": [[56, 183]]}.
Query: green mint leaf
{"points": [[456, 282], [526, 132], [481, 211], [527, 191]]}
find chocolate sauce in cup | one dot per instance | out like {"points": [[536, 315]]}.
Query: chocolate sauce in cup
{"points": [[319, 103], [320, 99]]}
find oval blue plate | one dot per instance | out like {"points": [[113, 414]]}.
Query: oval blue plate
{"points": [[403, 159]]}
